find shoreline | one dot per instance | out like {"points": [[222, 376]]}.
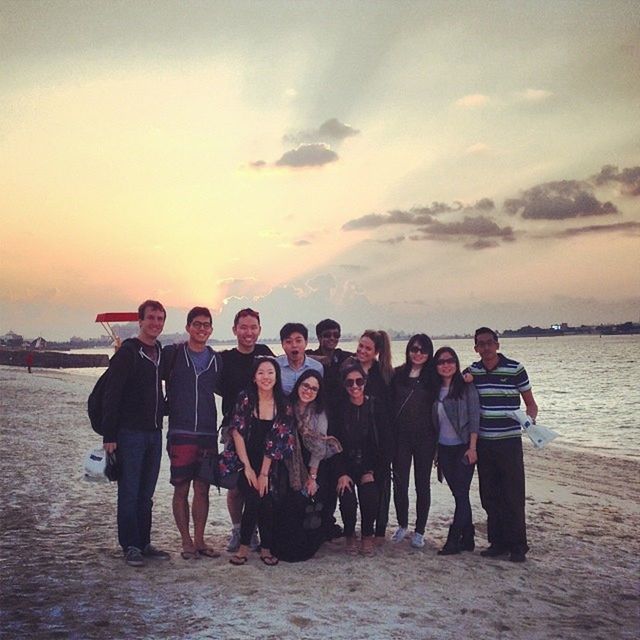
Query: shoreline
{"points": [[64, 575]]}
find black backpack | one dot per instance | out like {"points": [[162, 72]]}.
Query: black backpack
{"points": [[94, 403]]}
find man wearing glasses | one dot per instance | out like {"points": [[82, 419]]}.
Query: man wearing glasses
{"points": [[500, 383], [192, 371]]}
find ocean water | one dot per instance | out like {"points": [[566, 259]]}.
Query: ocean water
{"points": [[587, 387]]}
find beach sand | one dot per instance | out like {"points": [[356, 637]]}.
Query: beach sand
{"points": [[63, 575]]}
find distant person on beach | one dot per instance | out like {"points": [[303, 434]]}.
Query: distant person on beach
{"points": [[294, 362], [414, 436], [456, 416], [500, 383], [133, 409], [192, 371], [237, 364], [262, 431], [374, 355], [29, 361]]}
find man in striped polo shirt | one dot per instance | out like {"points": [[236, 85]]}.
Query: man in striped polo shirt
{"points": [[500, 383]]}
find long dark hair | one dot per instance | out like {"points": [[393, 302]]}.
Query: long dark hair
{"points": [[278, 394], [456, 389], [424, 342], [317, 405]]}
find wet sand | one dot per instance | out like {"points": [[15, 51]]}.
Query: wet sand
{"points": [[63, 575]]}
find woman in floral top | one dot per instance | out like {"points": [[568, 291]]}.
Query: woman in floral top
{"points": [[261, 428]]}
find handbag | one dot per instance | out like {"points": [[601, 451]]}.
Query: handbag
{"points": [[214, 471]]}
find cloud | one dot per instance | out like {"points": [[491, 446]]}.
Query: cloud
{"points": [[258, 164], [353, 268], [395, 240], [629, 179], [630, 228], [482, 243], [330, 131], [301, 243], [559, 200], [478, 226], [534, 95], [472, 101], [419, 216], [308, 155]]}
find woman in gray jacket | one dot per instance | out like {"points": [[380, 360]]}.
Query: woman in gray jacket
{"points": [[456, 415]]}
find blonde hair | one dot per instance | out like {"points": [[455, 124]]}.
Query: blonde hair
{"points": [[382, 345]]}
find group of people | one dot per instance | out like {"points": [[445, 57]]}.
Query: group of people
{"points": [[308, 430]]}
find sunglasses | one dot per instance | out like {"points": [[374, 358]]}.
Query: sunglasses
{"points": [[446, 361], [417, 349], [351, 382], [309, 387]]}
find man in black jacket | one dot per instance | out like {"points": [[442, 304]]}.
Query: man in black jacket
{"points": [[133, 408]]}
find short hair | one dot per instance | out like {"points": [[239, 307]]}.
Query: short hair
{"points": [[245, 312], [293, 327], [481, 330], [198, 311], [154, 305], [326, 325]]}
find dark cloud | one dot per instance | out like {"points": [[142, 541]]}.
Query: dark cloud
{"points": [[485, 204], [479, 226], [629, 178], [482, 243], [301, 243], [307, 155], [560, 200], [331, 130], [258, 164], [395, 240], [628, 228]]}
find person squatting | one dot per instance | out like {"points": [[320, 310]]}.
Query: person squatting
{"points": [[312, 431]]}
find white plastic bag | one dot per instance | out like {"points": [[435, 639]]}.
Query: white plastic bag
{"points": [[539, 435]]}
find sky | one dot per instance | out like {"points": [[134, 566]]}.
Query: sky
{"points": [[422, 166]]}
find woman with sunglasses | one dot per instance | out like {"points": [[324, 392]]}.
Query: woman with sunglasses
{"points": [[357, 429], [414, 436], [300, 519], [261, 428], [374, 355], [456, 416]]}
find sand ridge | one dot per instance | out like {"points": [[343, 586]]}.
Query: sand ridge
{"points": [[63, 575]]}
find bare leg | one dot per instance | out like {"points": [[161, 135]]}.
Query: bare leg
{"points": [[181, 514], [200, 511], [235, 502]]}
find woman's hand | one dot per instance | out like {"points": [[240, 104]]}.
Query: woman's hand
{"points": [[263, 484], [366, 477], [250, 475], [110, 447], [471, 455], [345, 483], [311, 486], [467, 377]]}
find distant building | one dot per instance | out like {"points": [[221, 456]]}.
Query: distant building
{"points": [[11, 339], [39, 343]]}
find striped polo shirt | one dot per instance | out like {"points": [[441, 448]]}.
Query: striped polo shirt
{"points": [[499, 392]]}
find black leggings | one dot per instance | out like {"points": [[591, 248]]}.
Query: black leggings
{"points": [[368, 497], [422, 448], [257, 510]]}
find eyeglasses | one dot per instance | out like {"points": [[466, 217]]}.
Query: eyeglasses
{"points": [[196, 324], [330, 334], [485, 343], [446, 361], [351, 382], [417, 349], [309, 387]]}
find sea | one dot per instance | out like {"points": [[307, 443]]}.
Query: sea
{"points": [[587, 387]]}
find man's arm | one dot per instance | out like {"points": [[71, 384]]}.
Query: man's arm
{"points": [[530, 403]]}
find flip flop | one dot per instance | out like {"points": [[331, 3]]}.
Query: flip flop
{"points": [[270, 561], [237, 560], [208, 552], [189, 555]]}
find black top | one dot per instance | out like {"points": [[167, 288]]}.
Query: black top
{"points": [[412, 399], [236, 375]]}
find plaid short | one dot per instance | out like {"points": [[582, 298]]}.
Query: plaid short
{"points": [[186, 451]]}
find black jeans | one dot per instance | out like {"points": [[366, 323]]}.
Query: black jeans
{"points": [[502, 492], [368, 497], [458, 475], [421, 448], [257, 510]]}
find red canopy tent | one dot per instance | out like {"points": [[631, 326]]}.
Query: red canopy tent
{"points": [[115, 316]]}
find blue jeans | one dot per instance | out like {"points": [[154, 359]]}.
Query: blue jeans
{"points": [[139, 455], [458, 476]]}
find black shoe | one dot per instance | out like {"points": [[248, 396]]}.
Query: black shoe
{"points": [[452, 545], [517, 556], [494, 551], [467, 539]]}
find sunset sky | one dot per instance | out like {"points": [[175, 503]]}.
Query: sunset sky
{"points": [[417, 165]]}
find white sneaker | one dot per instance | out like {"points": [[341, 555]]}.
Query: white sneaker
{"points": [[234, 540], [399, 535], [417, 540]]}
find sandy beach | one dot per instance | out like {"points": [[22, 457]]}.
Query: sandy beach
{"points": [[63, 575]]}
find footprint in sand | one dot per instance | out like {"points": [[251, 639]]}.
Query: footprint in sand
{"points": [[299, 621]]}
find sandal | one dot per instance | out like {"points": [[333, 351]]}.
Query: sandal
{"points": [[208, 552], [270, 561], [237, 560], [189, 555], [367, 548]]}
